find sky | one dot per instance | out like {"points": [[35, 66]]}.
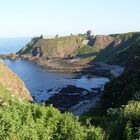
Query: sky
{"points": [[28, 18]]}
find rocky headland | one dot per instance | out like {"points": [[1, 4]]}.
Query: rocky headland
{"points": [[107, 56]]}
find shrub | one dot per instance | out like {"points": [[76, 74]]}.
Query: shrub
{"points": [[130, 120], [37, 122]]}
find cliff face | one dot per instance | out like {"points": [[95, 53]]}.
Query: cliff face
{"points": [[113, 49], [102, 41], [51, 48], [126, 87], [121, 50], [63, 46], [12, 82]]}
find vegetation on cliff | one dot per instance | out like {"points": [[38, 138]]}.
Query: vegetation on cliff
{"points": [[52, 48], [115, 49], [112, 49], [121, 50], [11, 81], [118, 112]]}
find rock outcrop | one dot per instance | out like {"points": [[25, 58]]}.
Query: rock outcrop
{"points": [[116, 49], [51, 48], [102, 41]]}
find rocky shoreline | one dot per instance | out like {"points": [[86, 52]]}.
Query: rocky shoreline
{"points": [[79, 100], [72, 65], [72, 98]]}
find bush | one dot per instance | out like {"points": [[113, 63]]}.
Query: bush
{"points": [[37, 122], [24, 120], [120, 90], [130, 120]]}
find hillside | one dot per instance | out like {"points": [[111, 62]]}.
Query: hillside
{"points": [[64, 47], [52, 48], [118, 111], [116, 49], [12, 82], [121, 50]]}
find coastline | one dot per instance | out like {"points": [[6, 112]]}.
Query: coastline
{"points": [[84, 99], [72, 65]]}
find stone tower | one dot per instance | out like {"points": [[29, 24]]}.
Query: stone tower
{"points": [[89, 34]]}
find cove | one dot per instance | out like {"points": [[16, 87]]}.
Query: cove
{"points": [[43, 83]]}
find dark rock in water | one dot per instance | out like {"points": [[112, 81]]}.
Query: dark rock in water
{"points": [[96, 89], [72, 89], [49, 90], [69, 96], [39, 90], [42, 101], [33, 97]]}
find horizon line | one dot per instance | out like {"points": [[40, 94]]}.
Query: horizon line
{"points": [[63, 35]]}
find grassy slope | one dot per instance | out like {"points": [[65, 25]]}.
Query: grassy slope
{"points": [[118, 52], [56, 47], [121, 53], [13, 83], [5, 96], [123, 88], [87, 53], [118, 112]]}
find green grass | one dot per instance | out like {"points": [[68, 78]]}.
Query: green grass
{"points": [[118, 123], [51, 47], [86, 50], [61, 41], [6, 96], [87, 59], [1, 73], [111, 54], [122, 53]]}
